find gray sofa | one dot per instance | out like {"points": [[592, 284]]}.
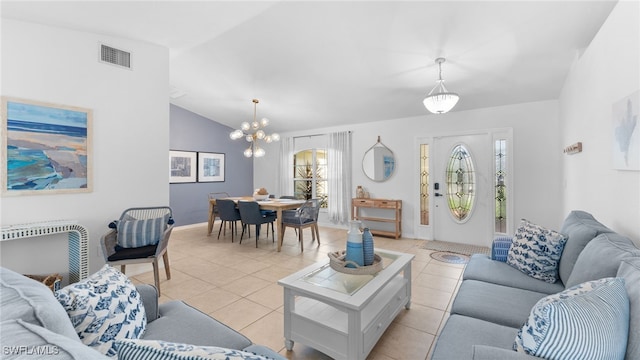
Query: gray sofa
{"points": [[33, 323], [495, 299]]}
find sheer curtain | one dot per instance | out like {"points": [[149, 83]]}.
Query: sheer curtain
{"points": [[285, 167], [339, 176]]}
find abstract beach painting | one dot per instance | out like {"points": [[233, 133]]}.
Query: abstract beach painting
{"points": [[626, 133], [47, 148]]}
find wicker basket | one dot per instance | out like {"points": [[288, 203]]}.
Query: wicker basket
{"points": [[51, 281], [338, 263]]}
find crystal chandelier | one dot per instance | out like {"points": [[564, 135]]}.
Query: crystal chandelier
{"points": [[252, 132], [439, 100]]}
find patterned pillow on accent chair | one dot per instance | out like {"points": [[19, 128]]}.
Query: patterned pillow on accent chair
{"points": [[141, 235]]}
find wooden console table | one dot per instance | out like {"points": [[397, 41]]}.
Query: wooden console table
{"points": [[395, 205]]}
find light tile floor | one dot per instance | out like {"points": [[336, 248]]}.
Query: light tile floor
{"points": [[237, 284]]}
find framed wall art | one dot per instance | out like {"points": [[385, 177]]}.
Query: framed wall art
{"points": [[47, 148], [626, 132], [210, 167], [182, 166]]}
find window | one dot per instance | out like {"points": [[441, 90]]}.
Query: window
{"points": [[500, 153], [460, 183], [310, 175], [424, 184]]}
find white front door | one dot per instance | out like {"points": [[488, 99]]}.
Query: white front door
{"points": [[462, 185]]}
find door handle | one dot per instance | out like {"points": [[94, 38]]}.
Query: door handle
{"points": [[438, 194]]}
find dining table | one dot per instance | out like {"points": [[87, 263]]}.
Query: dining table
{"points": [[277, 205]]}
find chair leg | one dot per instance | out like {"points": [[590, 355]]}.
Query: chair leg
{"points": [[156, 276], [221, 226], [315, 227], [167, 270], [232, 226], [122, 268], [273, 236], [300, 238], [242, 235]]}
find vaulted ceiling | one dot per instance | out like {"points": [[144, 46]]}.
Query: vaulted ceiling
{"points": [[315, 64]]}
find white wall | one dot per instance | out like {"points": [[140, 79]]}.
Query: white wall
{"points": [[130, 130], [537, 157], [607, 72]]}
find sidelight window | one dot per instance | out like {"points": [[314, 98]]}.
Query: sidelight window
{"points": [[424, 184], [500, 195]]}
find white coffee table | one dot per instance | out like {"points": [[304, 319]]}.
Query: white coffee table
{"points": [[344, 315]]}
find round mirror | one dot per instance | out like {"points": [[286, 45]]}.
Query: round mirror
{"points": [[378, 162]]}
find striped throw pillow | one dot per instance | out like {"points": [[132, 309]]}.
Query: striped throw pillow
{"points": [[138, 233], [587, 321], [164, 350]]}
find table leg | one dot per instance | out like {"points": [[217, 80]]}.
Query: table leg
{"points": [[407, 278], [288, 344], [280, 229], [289, 307], [211, 219]]}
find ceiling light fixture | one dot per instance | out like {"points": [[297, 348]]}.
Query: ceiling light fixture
{"points": [[439, 100], [252, 132]]}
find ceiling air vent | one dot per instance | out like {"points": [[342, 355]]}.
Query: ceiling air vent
{"points": [[115, 56]]}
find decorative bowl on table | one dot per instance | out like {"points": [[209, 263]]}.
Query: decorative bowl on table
{"points": [[259, 197], [338, 263]]}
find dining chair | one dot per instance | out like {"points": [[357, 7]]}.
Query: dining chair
{"points": [[269, 212], [214, 212], [141, 235], [228, 212], [251, 215], [306, 216], [289, 197]]}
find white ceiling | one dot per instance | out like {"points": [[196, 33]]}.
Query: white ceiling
{"points": [[324, 63]]}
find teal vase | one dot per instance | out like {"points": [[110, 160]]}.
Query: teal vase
{"points": [[367, 247]]}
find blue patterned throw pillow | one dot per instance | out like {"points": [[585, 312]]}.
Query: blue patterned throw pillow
{"points": [[138, 233], [162, 350], [587, 321], [536, 251], [103, 308]]}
